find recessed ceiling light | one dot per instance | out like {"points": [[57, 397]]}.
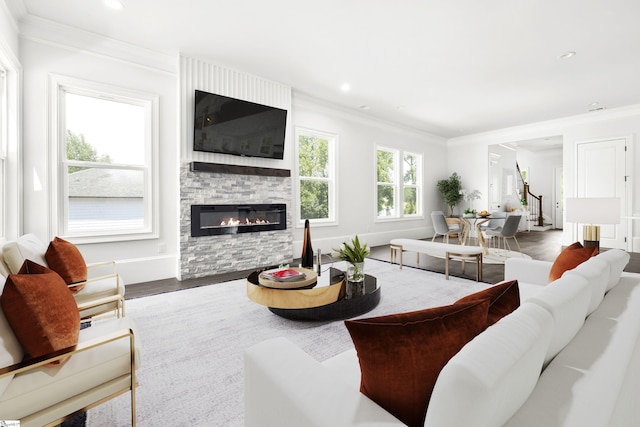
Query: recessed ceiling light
{"points": [[364, 107], [567, 55], [345, 87], [114, 4], [399, 107]]}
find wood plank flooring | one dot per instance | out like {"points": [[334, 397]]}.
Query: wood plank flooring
{"points": [[542, 245]]}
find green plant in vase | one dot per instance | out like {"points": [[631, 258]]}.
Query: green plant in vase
{"points": [[354, 253]]}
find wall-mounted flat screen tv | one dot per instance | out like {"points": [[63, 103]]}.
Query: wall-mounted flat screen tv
{"points": [[242, 128]]}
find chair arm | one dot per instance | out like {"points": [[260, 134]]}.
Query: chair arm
{"points": [[102, 264], [100, 301], [95, 279], [36, 362], [286, 387]]}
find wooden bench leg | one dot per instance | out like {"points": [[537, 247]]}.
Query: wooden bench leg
{"points": [[446, 265], [396, 252]]}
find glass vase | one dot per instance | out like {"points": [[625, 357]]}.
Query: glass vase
{"points": [[355, 272]]}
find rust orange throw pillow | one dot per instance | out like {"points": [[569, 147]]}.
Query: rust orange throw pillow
{"points": [[40, 309], [401, 355], [503, 297], [65, 259], [572, 256]]}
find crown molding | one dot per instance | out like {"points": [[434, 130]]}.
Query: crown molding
{"points": [[49, 32], [548, 127]]}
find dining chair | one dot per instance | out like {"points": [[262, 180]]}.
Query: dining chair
{"points": [[509, 229], [441, 228]]}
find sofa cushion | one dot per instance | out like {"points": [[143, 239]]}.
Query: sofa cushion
{"points": [[10, 349], [40, 309], [494, 374], [25, 247], [64, 258], [572, 256], [618, 260], [567, 300], [596, 271], [503, 297], [401, 355]]}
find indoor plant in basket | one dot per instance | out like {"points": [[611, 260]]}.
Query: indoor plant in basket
{"points": [[354, 253]]}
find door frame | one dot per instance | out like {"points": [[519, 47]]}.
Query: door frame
{"points": [[626, 208]]}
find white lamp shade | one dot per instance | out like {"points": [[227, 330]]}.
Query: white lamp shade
{"points": [[593, 210]]}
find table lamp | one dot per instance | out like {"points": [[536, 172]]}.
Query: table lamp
{"points": [[590, 211]]}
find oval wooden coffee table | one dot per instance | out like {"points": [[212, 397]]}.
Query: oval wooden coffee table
{"points": [[333, 298]]}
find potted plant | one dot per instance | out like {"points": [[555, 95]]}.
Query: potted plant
{"points": [[450, 189], [354, 253]]}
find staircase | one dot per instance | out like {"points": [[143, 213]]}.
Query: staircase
{"points": [[532, 203]]}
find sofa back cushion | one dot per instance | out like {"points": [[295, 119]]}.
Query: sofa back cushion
{"points": [[15, 252], [618, 260], [10, 349], [401, 355], [596, 272], [567, 300], [494, 374]]}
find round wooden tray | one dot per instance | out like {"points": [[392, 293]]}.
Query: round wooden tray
{"points": [[311, 277]]}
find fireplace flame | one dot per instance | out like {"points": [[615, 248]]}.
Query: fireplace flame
{"points": [[232, 222]]}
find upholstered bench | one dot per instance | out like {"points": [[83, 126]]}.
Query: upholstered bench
{"points": [[447, 251]]}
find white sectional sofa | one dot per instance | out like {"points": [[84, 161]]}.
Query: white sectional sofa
{"points": [[568, 356]]}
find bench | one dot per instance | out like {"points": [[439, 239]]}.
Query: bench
{"points": [[446, 250]]}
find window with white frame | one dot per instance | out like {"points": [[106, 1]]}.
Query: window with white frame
{"points": [[106, 154], [398, 182], [316, 175]]}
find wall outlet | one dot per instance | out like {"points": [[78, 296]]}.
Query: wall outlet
{"points": [[162, 248]]}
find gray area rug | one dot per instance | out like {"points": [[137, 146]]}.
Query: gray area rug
{"points": [[192, 342]]}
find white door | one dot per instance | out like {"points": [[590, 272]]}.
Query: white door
{"points": [[601, 173], [558, 178]]}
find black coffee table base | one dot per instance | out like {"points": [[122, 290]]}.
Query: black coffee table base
{"points": [[360, 298]]}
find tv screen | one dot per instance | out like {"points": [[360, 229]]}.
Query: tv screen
{"points": [[242, 128]]}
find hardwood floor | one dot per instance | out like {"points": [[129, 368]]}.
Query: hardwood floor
{"points": [[542, 245]]}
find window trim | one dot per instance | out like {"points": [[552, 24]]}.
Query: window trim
{"points": [[332, 179], [399, 185], [58, 86]]}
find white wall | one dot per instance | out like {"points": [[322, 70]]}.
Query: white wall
{"points": [[141, 260], [470, 151], [358, 136]]}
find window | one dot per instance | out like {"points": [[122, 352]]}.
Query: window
{"points": [[105, 161], [316, 176], [398, 184]]}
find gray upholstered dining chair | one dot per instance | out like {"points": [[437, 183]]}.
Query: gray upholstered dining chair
{"points": [[441, 228], [509, 229]]}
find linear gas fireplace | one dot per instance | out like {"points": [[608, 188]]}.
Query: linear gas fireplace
{"points": [[212, 220]]}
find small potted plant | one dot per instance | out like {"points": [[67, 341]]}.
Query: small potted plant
{"points": [[354, 253]]}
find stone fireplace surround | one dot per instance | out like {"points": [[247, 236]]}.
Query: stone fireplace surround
{"points": [[203, 183]]}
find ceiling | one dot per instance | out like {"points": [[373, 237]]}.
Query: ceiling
{"points": [[452, 68]]}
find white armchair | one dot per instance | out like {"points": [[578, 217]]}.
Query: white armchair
{"points": [[102, 366], [103, 290]]}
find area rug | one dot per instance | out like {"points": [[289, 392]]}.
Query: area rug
{"points": [[192, 343]]}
